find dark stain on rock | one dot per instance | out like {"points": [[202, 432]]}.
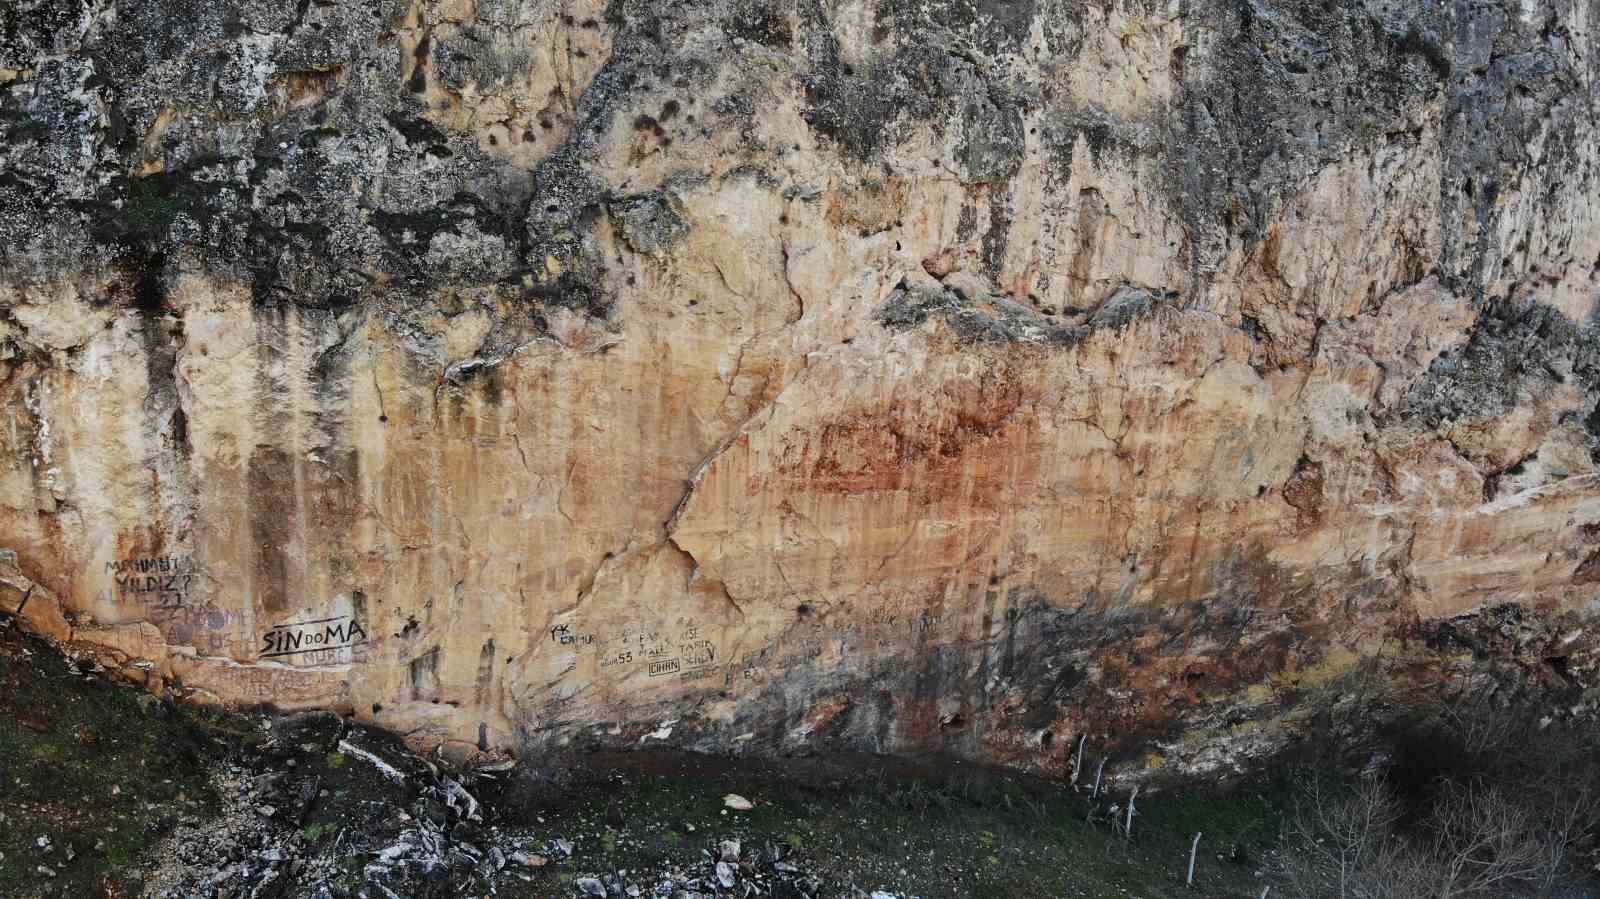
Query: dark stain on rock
{"points": [[1013, 615], [1303, 491], [270, 506], [998, 235], [423, 672], [1588, 571], [149, 288], [649, 222], [161, 334], [764, 21], [485, 674]]}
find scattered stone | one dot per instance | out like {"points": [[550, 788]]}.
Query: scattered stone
{"points": [[529, 859], [725, 875], [729, 850], [737, 803], [590, 886]]}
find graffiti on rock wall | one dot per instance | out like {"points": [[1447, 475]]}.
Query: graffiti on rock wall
{"points": [[686, 652], [159, 580], [336, 640], [689, 652], [166, 587]]}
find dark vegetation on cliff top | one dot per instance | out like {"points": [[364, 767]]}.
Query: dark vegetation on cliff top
{"points": [[312, 204]]}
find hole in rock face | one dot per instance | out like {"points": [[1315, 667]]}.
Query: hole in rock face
{"points": [[803, 609], [1046, 738]]}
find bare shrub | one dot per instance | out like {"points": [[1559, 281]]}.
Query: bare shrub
{"points": [[1485, 841], [1338, 830], [1399, 870], [1482, 807]]}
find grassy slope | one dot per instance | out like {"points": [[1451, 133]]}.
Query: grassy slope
{"points": [[983, 836], [101, 769], [946, 830]]}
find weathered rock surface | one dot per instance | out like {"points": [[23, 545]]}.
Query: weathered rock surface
{"points": [[764, 374]]}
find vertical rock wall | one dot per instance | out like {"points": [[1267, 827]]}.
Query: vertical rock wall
{"points": [[777, 374]]}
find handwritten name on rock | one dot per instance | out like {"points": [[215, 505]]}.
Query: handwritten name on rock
{"points": [[320, 641], [163, 579]]}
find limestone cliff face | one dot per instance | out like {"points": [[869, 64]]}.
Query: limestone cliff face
{"points": [[967, 375]]}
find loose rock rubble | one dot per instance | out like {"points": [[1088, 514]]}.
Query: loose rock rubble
{"points": [[328, 809], [726, 873]]}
